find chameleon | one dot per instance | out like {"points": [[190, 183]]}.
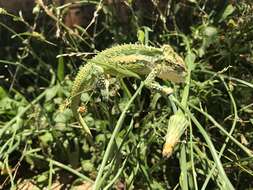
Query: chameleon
{"points": [[128, 60]]}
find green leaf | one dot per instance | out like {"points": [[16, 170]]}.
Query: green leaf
{"points": [[87, 166], [210, 31], [42, 178], [51, 92], [141, 36], [63, 117], [2, 93], [156, 185], [60, 68], [46, 139], [227, 11], [192, 1]]}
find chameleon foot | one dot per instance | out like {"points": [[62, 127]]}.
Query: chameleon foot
{"points": [[153, 85], [167, 90]]}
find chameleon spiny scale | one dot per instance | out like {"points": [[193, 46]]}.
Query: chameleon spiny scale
{"points": [[129, 60]]}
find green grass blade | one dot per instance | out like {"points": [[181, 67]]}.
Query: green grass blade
{"points": [[98, 181]]}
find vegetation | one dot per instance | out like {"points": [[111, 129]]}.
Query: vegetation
{"points": [[43, 146]]}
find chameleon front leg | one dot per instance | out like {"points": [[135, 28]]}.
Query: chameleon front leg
{"points": [[103, 86], [153, 85]]}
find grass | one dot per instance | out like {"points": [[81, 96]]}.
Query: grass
{"points": [[42, 146]]}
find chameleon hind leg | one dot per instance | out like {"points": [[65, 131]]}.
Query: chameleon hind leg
{"points": [[153, 85]]}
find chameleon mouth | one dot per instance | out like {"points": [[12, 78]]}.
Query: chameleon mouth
{"points": [[173, 76]]}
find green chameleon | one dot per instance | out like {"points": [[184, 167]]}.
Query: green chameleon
{"points": [[130, 60]]}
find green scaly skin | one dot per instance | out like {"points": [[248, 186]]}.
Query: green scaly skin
{"points": [[130, 60]]}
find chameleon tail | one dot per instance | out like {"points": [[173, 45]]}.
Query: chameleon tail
{"points": [[85, 80]]}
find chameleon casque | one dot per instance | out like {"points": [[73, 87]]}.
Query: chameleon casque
{"points": [[130, 60]]}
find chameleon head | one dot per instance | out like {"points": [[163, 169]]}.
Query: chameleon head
{"points": [[173, 66]]}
